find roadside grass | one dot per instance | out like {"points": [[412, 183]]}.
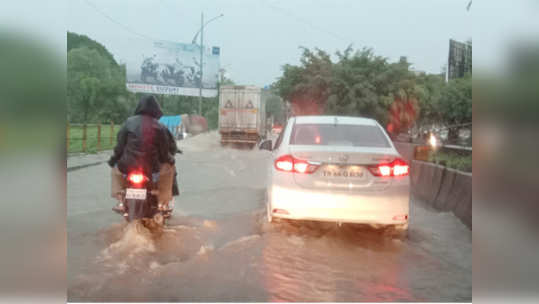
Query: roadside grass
{"points": [[454, 160], [75, 138]]}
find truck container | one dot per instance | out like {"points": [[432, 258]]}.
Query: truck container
{"points": [[242, 115]]}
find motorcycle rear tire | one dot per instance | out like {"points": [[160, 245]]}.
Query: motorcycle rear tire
{"points": [[138, 209]]}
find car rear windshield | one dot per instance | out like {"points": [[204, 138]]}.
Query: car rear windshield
{"points": [[338, 135]]}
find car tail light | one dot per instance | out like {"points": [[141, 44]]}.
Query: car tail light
{"points": [[136, 178], [288, 163], [400, 170], [402, 217], [280, 211], [285, 163], [398, 167], [384, 170]]}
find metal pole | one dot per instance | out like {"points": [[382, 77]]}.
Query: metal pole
{"points": [[98, 136], [201, 63], [84, 135], [67, 136]]}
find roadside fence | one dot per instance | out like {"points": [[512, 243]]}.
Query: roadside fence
{"points": [[90, 138]]}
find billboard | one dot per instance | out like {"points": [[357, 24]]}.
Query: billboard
{"points": [[172, 68], [460, 59]]}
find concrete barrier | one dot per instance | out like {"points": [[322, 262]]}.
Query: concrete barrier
{"points": [[463, 198], [444, 189], [426, 181]]}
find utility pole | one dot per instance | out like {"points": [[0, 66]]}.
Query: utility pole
{"points": [[222, 74], [201, 62]]}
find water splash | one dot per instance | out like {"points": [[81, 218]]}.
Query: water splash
{"points": [[135, 239]]}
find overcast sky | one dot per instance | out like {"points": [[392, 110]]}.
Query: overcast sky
{"points": [[257, 37]]}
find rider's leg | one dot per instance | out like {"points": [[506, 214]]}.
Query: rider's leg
{"points": [[165, 183], [117, 187]]}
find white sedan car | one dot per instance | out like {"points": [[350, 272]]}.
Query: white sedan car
{"points": [[337, 169]]}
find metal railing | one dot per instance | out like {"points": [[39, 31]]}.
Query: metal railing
{"points": [[90, 138]]}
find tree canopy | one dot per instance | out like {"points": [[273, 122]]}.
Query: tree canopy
{"points": [[95, 87], [360, 83], [75, 40], [455, 103]]}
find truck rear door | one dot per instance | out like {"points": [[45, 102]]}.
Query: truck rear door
{"points": [[247, 102], [228, 109]]}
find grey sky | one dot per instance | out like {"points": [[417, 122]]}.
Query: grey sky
{"points": [[257, 37]]}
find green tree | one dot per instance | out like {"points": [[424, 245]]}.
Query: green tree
{"points": [[275, 108], [456, 103], [75, 41], [210, 110], [366, 85], [307, 86], [430, 89], [359, 83], [94, 86]]}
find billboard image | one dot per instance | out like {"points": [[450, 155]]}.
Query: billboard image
{"points": [[172, 68]]}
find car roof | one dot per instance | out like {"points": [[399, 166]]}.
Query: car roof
{"points": [[326, 119]]}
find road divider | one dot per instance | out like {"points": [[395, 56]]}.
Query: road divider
{"points": [[443, 188]]}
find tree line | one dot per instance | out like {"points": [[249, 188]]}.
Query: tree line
{"points": [[360, 83], [355, 83]]}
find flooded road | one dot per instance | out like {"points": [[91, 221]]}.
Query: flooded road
{"points": [[218, 246]]}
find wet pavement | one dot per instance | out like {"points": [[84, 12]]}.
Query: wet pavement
{"points": [[219, 247]]}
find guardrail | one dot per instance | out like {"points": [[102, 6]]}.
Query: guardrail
{"points": [[457, 147]]}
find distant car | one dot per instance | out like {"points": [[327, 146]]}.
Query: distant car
{"points": [[337, 169]]}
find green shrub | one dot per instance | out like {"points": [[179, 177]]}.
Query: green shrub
{"points": [[462, 162]]}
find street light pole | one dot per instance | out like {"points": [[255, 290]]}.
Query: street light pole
{"points": [[201, 63], [201, 32]]}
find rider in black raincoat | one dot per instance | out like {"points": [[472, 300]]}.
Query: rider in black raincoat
{"points": [[144, 143]]}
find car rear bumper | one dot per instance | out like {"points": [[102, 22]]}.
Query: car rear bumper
{"points": [[387, 207]]}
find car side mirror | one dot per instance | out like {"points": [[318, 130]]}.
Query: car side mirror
{"points": [[266, 145]]}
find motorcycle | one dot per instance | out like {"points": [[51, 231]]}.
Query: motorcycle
{"points": [[138, 200]]}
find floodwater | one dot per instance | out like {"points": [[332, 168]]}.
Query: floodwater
{"points": [[219, 247]]}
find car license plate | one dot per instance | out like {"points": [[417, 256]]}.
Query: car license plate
{"points": [[138, 194], [343, 173]]}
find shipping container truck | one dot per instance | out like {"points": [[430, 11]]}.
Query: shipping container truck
{"points": [[242, 115]]}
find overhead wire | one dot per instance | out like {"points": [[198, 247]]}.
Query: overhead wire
{"points": [[125, 27], [307, 23], [170, 9]]}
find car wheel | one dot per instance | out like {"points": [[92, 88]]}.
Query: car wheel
{"points": [[400, 231], [402, 227]]}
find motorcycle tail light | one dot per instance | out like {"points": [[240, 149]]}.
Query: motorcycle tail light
{"points": [[136, 178]]}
